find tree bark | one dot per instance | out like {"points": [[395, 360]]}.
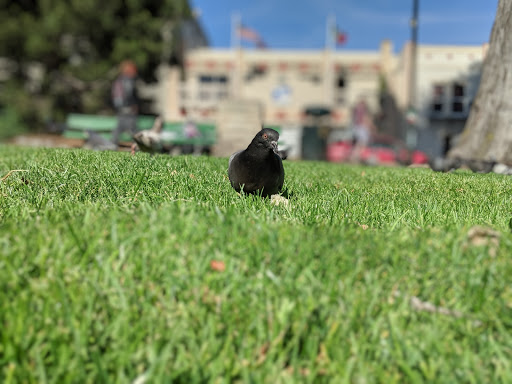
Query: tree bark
{"points": [[487, 134]]}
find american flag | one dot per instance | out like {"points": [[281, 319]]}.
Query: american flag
{"points": [[250, 35]]}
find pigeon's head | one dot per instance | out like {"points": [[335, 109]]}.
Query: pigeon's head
{"points": [[267, 138]]}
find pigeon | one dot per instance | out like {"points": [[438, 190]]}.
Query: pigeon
{"points": [[440, 164], [96, 142], [445, 164], [480, 166], [149, 140], [259, 168]]}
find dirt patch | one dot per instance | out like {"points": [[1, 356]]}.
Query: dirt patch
{"points": [[45, 140]]}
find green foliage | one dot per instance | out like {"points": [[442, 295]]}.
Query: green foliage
{"points": [[105, 273], [78, 45], [10, 125]]}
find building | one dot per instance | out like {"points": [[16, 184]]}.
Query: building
{"points": [[293, 87], [447, 82], [285, 82]]}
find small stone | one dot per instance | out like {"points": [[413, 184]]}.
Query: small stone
{"points": [[278, 199]]}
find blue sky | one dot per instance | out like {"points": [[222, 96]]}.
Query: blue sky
{"points": [[301, 24]]}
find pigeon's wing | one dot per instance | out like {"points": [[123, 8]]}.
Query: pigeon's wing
{"points": [[281, 174], [235, 173], [232, 157], [277, 174]]}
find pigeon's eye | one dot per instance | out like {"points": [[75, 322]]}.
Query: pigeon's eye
{"points": [[265, 136]]}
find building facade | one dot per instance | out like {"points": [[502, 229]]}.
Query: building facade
{"points": [[288, 84]]}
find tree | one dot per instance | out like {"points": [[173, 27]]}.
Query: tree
{"points": [[62, 55], [487, 135]]}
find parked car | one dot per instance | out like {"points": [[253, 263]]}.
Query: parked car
{"points": [[383, 150]]}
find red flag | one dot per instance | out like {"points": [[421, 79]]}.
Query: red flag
{"points": [[340, 37]]}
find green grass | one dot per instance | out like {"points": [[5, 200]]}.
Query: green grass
{"points": [[105, 273]]}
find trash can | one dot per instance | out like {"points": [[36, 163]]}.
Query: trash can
{"points": [[314, 146]]}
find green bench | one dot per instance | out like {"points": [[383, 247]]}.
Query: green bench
{"points": [[77, 126]]}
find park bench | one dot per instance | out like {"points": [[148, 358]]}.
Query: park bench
{"points": [[78, 125]]}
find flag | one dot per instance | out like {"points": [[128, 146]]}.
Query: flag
{"points": [[340, 37], [250, 35]]}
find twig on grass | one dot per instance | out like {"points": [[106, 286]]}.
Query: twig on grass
{"points": [[425, 306], [11, 172]]}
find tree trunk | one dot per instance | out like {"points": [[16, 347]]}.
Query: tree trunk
{"points": [[488, 132]]}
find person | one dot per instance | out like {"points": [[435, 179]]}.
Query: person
{"points": [[125, 100], [190, 131], [362, 126]]}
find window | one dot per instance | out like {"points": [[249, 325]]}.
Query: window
{"points": [[458, 90], [213, 87], [449, 99], [211, 79], [438, 98], [205, 79], [257, 70], [458, 98], [340, 89], [315, 79]]}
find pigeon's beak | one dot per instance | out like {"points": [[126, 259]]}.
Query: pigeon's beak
{"points": [[273, 144]]}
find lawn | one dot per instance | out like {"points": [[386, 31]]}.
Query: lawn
{"points": [[138, 269]]}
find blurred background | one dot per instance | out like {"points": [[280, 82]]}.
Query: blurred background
{"points": [[396, 77]]}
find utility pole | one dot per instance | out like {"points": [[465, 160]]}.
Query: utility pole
{"points": [[414, 45]]}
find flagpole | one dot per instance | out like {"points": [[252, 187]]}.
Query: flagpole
{"points": [[330, 32], [236, 24]]}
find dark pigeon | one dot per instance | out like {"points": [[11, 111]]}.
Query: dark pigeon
{"points": [[259, 168], [481, 166], [440, 164], [444, 164]]}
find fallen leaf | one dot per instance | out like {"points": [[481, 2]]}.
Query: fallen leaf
{"points": [[217, 265], [363, 226], [262, 354]]}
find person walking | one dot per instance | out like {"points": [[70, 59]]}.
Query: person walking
{"points": [[125, 100]]}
